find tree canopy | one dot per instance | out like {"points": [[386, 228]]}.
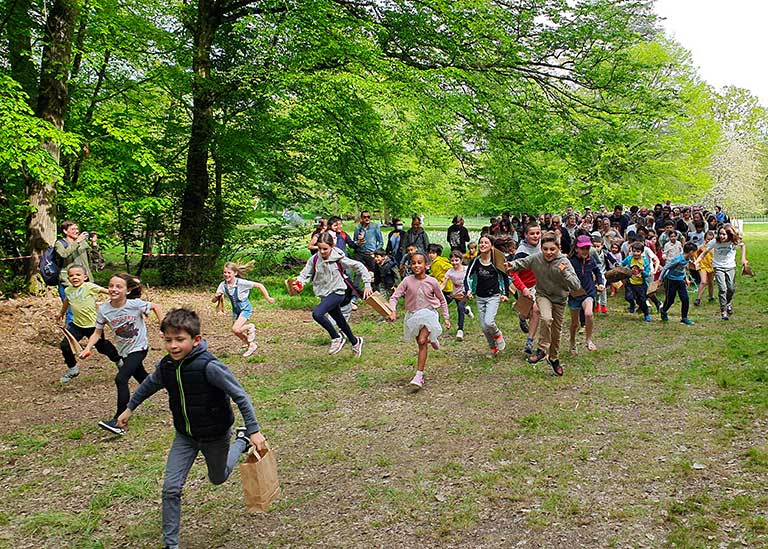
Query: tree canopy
{"points": [[172, 124]]}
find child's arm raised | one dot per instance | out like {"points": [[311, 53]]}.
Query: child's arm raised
{"points": [[158, 312]]}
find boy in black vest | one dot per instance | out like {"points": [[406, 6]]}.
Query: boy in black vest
{"points": [[199, 391]]}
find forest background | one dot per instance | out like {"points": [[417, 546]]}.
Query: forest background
{"points": [[177, 126]]}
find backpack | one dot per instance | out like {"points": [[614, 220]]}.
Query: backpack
{"points": [[50, 264]]}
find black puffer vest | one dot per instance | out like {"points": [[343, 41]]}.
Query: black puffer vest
{"points": [[199, 409]]}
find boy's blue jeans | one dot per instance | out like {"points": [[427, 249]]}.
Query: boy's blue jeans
{"points": [[676, 287], [220, 457], [636, 293]]}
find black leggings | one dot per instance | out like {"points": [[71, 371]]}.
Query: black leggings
{"points": [[103, 345], [133, 367], [331, 304]]}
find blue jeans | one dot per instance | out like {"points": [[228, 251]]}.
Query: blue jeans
{"points": [[676, 287], [70, 317], [220, 457]]}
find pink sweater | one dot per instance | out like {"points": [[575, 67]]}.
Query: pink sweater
{"points": [[420, 294]]}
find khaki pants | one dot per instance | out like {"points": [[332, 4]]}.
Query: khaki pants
{"points": [[550, 323]]}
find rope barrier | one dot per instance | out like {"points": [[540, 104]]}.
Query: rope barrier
{"points": [[15, 258]]}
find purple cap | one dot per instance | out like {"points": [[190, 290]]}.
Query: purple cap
{"points": [[583, 241]]}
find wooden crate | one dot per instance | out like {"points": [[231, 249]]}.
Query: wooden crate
{"points": [[378, 303]]}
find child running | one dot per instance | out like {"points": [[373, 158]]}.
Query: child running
{"points": [[423, 297], [199, 391], [724, 248], [555, 277], [588, 273], [676, 281], [124, 312], [490, 286], [325, 271], [637, 283], [525, 282], [81, 296], [455, 276], [238, 290], [703, 258]]}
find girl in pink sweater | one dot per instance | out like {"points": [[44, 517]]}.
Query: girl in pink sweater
{"points": [[423, 297]]}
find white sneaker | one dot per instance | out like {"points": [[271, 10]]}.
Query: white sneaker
{"points": [[468, 310], [417, 382], [251, 333], [336, 345], [251, 349], [357, 348], [71, 374], [460, 335]]}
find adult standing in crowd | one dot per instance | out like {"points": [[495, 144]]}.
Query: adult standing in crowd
{"points": [[394, 238], [458, 235], [618, 217], [416, 236], [73, 249], [367, 237]]}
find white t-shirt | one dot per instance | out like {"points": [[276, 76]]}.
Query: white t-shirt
{"points": [[243, 288], [127, 323], [724, 256]]}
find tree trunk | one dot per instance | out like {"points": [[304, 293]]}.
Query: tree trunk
{"points": [[53, 98], [197, 184]]}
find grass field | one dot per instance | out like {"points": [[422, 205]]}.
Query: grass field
{"points": [[657, 439]]}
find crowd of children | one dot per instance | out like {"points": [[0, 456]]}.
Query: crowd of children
{"points": [[549, 262]]}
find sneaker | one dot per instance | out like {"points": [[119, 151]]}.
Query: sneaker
{"points": [[251, 333], [605, 309], [591, 346], [631, 309], [241, 433], [354, 306], [528, 349], [724, 316], [417, 382], [536, 357], [664, 316], [336, 345], [523, 325], [251, 349], [71, 374], [494, 352], [500, 343], [556, 367], [687, 322], [574, 351], [357, 348], [460, 335], [647, 318], [435, 344], [111, 426], [696, 302], [710, 300], [469, 312], [729, 309]]}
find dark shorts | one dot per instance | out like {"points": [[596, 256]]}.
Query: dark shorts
{"points": [[574, 303]]}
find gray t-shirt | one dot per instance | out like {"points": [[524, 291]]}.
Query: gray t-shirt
{"points": [[127, 323]]}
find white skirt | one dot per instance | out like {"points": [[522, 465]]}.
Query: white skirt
{"points": [[423, 318]]}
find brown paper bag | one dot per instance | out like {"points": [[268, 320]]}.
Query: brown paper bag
{"points": [[653, 287], [746, 270], [499, 260], [258, 474], [523, 305]]}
